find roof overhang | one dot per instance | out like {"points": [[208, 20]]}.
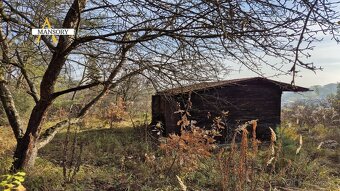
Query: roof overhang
{"points": [[244, 81]]}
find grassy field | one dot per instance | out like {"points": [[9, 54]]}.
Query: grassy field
{"points": [[124, 158]]}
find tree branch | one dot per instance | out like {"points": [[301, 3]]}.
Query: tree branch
{"points": [[46, 41], [33, 91], [49, 134], [56, 94], [5, 94], [296, 61], [59, 56]]}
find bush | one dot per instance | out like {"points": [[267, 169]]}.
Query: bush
{"points": [[10, 182]]}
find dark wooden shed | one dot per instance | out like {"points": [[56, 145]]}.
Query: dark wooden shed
{"points": [[245, 99]]}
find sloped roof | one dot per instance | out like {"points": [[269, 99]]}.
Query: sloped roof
{"points": [[209, 85]]}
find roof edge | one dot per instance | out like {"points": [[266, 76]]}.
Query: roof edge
{"points": [[209, 85]]}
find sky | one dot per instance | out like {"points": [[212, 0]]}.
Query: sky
{"points": [[326, 54]]}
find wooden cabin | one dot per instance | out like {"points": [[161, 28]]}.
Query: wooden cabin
{"points": [[245, 99]]}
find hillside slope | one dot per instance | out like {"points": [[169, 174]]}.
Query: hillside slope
{"points": [[319, 92]]}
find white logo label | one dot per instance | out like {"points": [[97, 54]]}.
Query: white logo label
{"points": [[51, 32]]}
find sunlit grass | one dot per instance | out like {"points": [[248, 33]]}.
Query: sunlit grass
{"points": [[116, 159]]}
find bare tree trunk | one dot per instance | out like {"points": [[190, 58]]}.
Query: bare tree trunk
{"points": [[27, 147], [25, 154], [11, 112], [6, 97]]}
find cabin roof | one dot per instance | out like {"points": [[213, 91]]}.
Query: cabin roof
{"points": [[243, 81]]}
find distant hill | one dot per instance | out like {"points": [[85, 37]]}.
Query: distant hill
{"points": [[319, 92]]}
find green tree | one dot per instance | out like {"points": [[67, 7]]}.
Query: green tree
{"points": [[336, 100], [93, 71]]}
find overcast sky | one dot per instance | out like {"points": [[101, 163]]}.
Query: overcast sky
{"points": [[325, 54]]}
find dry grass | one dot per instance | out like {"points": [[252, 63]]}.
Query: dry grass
{"points": [[7, 140], [181, 183], [7, 144], [121, 159]]}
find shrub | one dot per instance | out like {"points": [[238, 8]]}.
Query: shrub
{"points": [[12, 181]]}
